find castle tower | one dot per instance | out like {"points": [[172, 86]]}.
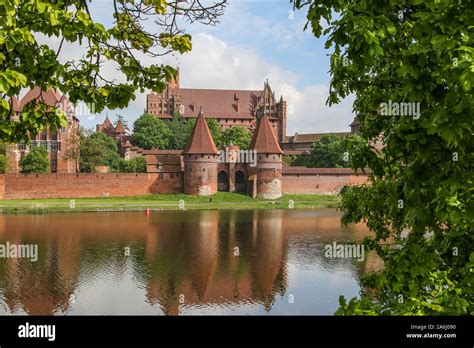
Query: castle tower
{"points": [[282, 108], [200, 161], [267, 173]]}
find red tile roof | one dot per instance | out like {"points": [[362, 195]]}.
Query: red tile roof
{"points": [[162, 152], [201, 141], [264, 139], [49, 97], [119, 129], [107, 124], [16, 104], [218, 103]]}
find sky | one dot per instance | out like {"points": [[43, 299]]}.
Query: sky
{"points": [[255, 40]]}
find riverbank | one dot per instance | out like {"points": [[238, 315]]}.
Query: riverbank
{"points": [[222, 200]]}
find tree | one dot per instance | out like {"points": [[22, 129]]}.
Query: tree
{"points": [[3, 158], [36, 161], [97, 149], [417, 57], [26, 63], [150, 131], [329, 152], [135, 165], [237, 136], [3, 164], [216, 131], [182, 129]]}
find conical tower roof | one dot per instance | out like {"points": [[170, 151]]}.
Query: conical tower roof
{"points": [[264, 139], [120, 129], [107, 124], [201, 141]]}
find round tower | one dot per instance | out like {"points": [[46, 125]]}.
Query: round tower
{"points": [[200, 159], [268, 170]]}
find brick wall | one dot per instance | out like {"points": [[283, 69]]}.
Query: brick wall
{"points": [[320, 183], [26, 186]]}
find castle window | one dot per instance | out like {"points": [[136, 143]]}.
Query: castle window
{"points": [[273, 157], [195, 157], [208, 157], [203, 169]]}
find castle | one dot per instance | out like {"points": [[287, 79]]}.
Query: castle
{"points": [[205, 172], [228, 107], [57, 142]]}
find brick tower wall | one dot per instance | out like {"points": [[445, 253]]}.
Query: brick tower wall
{"points": [[200, 174], [269, 176]]}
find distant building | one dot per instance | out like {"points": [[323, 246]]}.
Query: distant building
{"points": [[203, 172], [116, 132], [300, 144], [355, 126], [228, 107], [57, 142]]}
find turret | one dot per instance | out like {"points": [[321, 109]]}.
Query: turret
{"points": [[200, 161], [267, 174]]}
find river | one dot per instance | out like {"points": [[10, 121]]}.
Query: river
{"points": [[232, 262]]}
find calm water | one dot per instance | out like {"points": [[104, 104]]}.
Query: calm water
{"points": [[195, 262]]}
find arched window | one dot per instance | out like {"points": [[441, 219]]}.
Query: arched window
{"points": [[240, 184], [223, 181]]}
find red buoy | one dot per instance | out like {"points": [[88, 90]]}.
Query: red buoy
{"points": [[147, 211]]}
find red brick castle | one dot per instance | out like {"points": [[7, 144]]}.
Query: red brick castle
{"points": [[228, 107]]}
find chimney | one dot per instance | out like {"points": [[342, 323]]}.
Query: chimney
{"points": [[237, 102]]}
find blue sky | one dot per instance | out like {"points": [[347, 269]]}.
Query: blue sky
{"points": [[266, 39]]}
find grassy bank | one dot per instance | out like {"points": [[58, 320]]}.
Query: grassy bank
{"points": [[221, 200]]}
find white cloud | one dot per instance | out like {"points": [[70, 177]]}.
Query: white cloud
{"points": [[211, 65], [214, 64]]}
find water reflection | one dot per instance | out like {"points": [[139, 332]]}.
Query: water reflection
{"points": [[195, 262]]}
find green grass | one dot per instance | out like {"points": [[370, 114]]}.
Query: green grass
{"points": [[222, 200]]}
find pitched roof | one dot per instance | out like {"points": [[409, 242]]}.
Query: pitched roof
{"points": [[107, 124], [49, 97], [264, 139], [201, 141], [16, 104], [239, 104], [355, 122], [162, 152], [119, 129]]}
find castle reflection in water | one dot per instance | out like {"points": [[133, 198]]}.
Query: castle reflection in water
{"points": [[179, 262]]}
